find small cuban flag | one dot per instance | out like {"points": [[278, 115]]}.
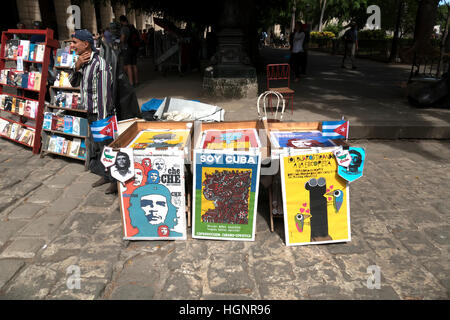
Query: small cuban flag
{"points": [[335, 129], [104, 129]]}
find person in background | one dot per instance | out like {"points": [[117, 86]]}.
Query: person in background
{"points": [[129, 53], [108, 37], [351, 45], [94, 76], [298, 55]]}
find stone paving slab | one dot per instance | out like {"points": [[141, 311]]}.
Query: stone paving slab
{"points": [[400, 224]]}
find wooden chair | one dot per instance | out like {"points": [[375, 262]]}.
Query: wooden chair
{"points": [[281, 73]]}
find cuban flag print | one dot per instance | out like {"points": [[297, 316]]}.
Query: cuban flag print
{"points": [[335, 129], [104, 129]]}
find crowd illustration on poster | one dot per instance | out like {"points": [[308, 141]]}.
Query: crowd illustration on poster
{"points": [[225, 194]]}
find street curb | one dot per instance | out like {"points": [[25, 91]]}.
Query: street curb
{"points": [[396, 130]]}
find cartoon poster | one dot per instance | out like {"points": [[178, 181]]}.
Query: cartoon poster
{"points": [[225, 194], [299, 140], [153, 203], [160, 139], [315, 199], [236, 139]]}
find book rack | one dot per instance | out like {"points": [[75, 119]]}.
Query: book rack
{"points": [[17, 119]]}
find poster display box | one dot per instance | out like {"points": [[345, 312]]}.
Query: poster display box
{"points": [[176, 189], [274, 183], [226, 170]]}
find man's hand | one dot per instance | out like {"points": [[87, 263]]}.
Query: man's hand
{"points": [[82, 59]]}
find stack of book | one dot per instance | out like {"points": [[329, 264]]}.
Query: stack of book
{"points": [[29, 80], [16, 48], [66, 124], [16, 132], [23, 107], [72, 147], [65, 57], [67, 100]]}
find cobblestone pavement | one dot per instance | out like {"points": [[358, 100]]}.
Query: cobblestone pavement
{"points": [[52, 220]]}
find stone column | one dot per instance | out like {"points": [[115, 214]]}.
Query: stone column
{"points": [[88, 20], [118, 10], [106, 12], [28, 12], [61, 18]]}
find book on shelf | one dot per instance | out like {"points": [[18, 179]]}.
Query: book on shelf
{"points": [[21, 104], [64, 79], [65, 145], [40, 50], [13, 46], [83, 127], [52, 144], [18, 78], [82, 152], [59, 144], [37, 81], [24, 45], [14, 129], [3, 124], [25, 80], [58, 123], [30, 108], [32, 52], [2, 102], [19, 133], [47, 123], [76, 126], [8, 103], [68, 124], [74, 147], [10, 77], [31, 77], [13, 105]]}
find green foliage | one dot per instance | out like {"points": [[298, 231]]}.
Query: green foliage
{"points": [[334, 28], [372, 35]]}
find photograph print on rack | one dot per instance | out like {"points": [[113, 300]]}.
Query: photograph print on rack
{"points": [[153, 203], [123, 168]]}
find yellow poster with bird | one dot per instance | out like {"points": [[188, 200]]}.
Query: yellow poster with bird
{"points": [[315, 199]]}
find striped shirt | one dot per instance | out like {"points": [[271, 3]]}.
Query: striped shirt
{"points": [[95, 81]]}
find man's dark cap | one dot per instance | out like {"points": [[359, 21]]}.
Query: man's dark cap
{"points": [[85, 35]]}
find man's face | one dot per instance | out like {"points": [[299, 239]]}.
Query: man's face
{"points": [[159, 165], [153, 176], [121, 161], [79, 46], [155, 208], [137, 177]]}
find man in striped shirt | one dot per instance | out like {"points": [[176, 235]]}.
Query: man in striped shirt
{"points": [[94, 77]]}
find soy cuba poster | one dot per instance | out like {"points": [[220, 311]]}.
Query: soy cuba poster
{"points": [[153, 203], [225, 194], [315, 199]]}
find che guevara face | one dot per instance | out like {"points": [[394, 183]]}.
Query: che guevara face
{"points": [[155, 208], [138, 175]]}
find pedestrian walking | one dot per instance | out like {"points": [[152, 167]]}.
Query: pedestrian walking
{"points": [[130, 43], [351, 45], [298, 53], [94, 77]]}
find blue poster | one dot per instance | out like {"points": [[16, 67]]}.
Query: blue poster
{"points": [[355, 169]]}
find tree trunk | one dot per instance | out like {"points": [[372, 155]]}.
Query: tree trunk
{"points": [[394, 48], [425, 20], [321, 14], [444, 40]]}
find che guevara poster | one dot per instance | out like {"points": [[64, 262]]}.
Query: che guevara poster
{"points": [[153, 203], [225, 194], [315, 199]]}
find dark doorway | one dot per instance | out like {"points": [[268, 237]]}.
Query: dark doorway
{"points": [[9, 16]]}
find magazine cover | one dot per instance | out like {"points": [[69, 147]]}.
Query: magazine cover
{"points": [[316, 201], [299, 140], [160, 139], [225, 194], [230, 139], [153, 203]]}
